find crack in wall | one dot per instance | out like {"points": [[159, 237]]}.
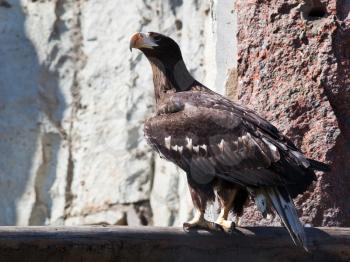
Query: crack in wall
{"points": [[69, 26], [45, 176], [79, 60]]}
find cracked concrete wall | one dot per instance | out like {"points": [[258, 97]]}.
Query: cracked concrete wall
{"points": [[73, 101]]}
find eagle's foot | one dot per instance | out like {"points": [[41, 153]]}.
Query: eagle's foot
{"points": [[199, 222], [226, 225]]}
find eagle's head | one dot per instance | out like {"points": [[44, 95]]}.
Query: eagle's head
{"points": [[166, 60], [156, 46]]}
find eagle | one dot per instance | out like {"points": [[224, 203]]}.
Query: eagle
{"points": [[228, 152]]}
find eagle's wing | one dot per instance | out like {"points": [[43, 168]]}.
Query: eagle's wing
{"points": [[208, 135]]}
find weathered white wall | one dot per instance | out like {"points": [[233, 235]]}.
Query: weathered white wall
{"points": [[223, 43], [73, 100]]}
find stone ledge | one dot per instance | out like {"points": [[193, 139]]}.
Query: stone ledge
{"points": [[119, 243]]}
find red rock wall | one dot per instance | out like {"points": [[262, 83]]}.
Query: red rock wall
{"points": [[294, 69]]}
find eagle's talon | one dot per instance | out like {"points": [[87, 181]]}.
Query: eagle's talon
{"points": [[217, 227], [226, 225], [188, 226], [232, 228]]}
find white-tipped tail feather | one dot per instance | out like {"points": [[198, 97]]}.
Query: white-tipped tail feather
{"points": [[285, 208]]}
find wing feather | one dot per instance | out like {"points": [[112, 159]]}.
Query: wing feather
{"points": [[221, 138]]}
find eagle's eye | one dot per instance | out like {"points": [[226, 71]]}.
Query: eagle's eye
{"points": [[157, 38]]}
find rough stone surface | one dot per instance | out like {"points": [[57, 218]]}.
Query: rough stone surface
{"points": [[73, 101], [293, 68], [72, 105]]}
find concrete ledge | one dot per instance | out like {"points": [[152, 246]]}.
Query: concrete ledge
{"points": [[99, 244]]}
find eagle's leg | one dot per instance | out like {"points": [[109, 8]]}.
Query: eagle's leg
{"points": [[226, 197], [200, 200], [237, 221]]}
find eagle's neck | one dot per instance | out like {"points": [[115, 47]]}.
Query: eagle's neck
{"points": [[170, 78]]}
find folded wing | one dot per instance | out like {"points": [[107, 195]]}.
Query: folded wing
{"points": [[208, 136]]}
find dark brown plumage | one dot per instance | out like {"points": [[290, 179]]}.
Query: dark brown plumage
{"points": [[227, 150]]}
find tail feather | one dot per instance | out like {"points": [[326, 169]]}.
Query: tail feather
{"points": [[285, 208]]}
